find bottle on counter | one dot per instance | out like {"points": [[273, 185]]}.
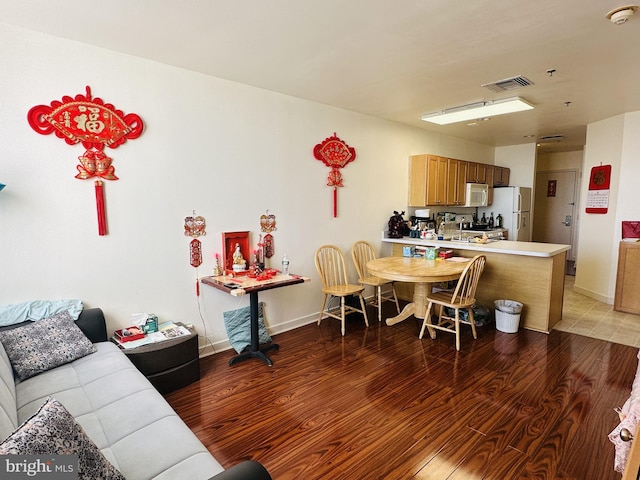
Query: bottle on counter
{"points": [[491, 220], [499, 221], [285, 264], [484, 218]]}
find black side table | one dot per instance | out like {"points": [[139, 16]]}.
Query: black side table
{"points": [[239, 287], [169, 364]]}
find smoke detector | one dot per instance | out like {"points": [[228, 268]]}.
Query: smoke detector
{"points": [[620, 15]]}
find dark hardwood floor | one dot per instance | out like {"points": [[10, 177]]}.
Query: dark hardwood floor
{"points": [[379, 403]]}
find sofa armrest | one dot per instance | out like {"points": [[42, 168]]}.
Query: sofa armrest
{"points": [[247, 470], [92, 323]]}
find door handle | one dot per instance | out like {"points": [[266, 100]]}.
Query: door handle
{"points": [[567, 221]]}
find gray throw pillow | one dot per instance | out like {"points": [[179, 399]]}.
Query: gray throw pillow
{"points": [[238, 326], [46, 344], [52, 430]]}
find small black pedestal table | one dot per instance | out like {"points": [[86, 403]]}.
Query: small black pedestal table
{"points": [[242, 285]]}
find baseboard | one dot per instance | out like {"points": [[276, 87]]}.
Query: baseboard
{"points": [[223, 345], [594, 295], [212, 348]]}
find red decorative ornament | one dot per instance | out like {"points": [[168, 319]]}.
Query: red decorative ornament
{"points": [[194, 227], [268, 246], [93, 123], [85, 120], [102, 216], [334, 153], [196, 252]]}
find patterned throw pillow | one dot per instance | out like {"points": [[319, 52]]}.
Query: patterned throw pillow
{"points": [[45, 344], [52, 430]]}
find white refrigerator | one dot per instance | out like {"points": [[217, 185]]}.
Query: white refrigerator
{"points": [[514, 204]]}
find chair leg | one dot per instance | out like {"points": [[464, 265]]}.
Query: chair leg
{"points": [[427, 323], [379, 289], [342, 315], [363, 304], [395, 297], [440, 315], [457, 320], [472, 321], [324, 304]]}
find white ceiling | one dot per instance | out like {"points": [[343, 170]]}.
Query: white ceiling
{"points": [[393, 60]]}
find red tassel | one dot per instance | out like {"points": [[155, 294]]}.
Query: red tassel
{"points": [[102, 219], [335, 202]]}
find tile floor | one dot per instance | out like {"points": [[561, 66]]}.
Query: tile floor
{"points": [[585, 316]]}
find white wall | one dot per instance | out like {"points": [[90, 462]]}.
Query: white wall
{"points": [[521, 160], [560, 161], [228, 151], [614, 141]]}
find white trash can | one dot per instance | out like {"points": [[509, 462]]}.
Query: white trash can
{"points": [[508, 315]]}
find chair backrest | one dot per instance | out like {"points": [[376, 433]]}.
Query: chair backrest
{"points": [[465, 291], [330, 265], [362, 252]]}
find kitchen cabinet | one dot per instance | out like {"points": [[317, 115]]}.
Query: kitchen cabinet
{"points": [[628, 278], [427, 180], [439, 181], [490, 175], [456, 182], [500, 176], [417, 181], [477, 172], [436, 180]]}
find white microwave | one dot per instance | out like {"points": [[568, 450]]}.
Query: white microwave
{"points": [[477, 195]]}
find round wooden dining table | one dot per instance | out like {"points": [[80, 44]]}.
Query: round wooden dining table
{"points": [[419, 271]]}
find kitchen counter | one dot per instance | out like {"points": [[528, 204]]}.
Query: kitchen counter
{"points": [[528, 272], [508, 247]]}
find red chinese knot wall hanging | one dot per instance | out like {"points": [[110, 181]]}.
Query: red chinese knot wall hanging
{"points": [[335, 153], [95, 124]]}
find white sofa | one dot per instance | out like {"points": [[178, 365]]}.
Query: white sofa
{"points": [[121, 412]]}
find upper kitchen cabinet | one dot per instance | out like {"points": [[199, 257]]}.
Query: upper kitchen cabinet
{"points": [[435, 180], [456, 182], [500, 176], [427, 180], [477, 172]]}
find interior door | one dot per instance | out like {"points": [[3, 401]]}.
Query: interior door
{"points": [[555, 209]]}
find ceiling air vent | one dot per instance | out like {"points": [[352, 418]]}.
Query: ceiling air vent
{"points": [[551, 138], [508, 84]]}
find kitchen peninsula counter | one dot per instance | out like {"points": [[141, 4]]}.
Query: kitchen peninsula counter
{"points": [[528, 272], [508, 247]]}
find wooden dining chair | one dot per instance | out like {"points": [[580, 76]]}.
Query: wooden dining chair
{"points": [[333, 274], [462, 298], [362, 252]]}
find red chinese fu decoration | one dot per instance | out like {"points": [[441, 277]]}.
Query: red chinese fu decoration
{"points": [[334, 153], [95, 124]]}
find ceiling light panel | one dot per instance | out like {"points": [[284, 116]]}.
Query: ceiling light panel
{"points": [[478, 110]]}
